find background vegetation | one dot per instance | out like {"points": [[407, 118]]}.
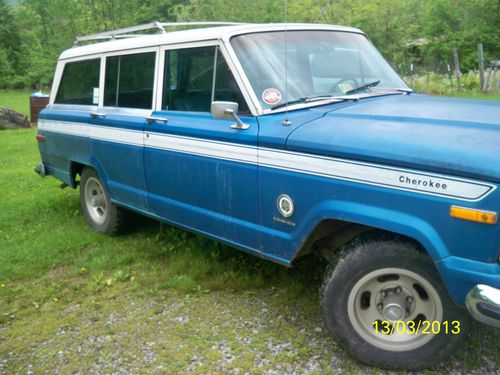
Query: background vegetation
{"points": [[419, 32]]}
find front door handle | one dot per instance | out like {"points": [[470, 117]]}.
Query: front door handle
{"points": [[151, 119], [97, 114]]}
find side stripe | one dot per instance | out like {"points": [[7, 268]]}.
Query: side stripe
{"points": [[196, 146], [402, 179], [103, 133], [367, 173]]}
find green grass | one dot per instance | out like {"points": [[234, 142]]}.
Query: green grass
{"points": [[62, 285], [439, 84], [18, 100], [42, 229], [476, 95]]}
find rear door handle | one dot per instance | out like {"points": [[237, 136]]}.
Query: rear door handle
{"points": [[97, 115], [151, 119]]}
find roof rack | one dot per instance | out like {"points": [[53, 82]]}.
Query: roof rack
{"points": [[159, 26]]}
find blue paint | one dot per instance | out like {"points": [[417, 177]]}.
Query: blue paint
{"points": [[444, 135], [235, 202]]}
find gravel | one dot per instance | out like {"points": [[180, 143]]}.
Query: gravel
{"points": [[206, 333]]}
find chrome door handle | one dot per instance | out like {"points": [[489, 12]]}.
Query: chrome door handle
{"points": [[96, 115], [151, 119]]}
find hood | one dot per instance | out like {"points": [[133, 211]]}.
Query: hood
{"points": [[444, 135]]}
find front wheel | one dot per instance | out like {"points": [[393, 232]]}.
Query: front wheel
{"points": [[384, 303]]}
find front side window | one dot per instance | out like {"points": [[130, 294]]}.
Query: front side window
{"points": [[302, 64], [129, 81], [189, 80], [79, 83]]}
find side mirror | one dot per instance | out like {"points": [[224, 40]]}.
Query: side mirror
{"points": [[223, 109], [228, 110]]}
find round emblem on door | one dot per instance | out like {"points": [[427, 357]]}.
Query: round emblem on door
{"points": [[285, 205]]}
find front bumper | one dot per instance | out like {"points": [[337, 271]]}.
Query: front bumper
{"points": [[483, 303]]}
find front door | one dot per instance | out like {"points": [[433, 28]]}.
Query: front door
{"points": [[200, 172]]}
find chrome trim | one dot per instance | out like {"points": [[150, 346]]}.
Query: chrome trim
{"points": [[40, 170], [160, 26], [97, 115], [487, 295], [151, 119], [285, 211]]}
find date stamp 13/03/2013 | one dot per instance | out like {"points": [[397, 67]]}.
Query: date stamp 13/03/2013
{"points": [[423, 327]]}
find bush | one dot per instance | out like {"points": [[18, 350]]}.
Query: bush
{"points": [[443, 84]]}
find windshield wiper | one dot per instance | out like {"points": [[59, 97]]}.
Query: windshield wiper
{"points": [[362, 87], [402, 90], [308, 99]]}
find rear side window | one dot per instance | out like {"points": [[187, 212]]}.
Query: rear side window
{"points": [[129, 80], [79, 83]]}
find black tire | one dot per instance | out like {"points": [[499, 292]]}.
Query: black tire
{"points": [[102, 215], [362, 281]]}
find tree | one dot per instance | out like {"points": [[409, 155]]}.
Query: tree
{"points": [[34, 32], [10, 53]]}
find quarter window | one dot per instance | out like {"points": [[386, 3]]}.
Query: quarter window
{"points": [[226, 88], [129, 80], [79, 83]]}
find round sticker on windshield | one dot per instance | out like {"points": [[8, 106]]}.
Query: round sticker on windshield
{"points": [[271, 96]]}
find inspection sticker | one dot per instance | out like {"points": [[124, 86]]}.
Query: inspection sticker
{"points": [[271, 96]]}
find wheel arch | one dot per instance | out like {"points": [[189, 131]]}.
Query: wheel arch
{"points": [[335, 228], [76, 168]]}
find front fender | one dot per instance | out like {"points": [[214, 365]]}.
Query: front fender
{"points": [[376, 217]]}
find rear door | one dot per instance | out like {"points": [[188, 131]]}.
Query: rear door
{"points": [[128, 98], [200, 172]]}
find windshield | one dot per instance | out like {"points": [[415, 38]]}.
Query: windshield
{"points": [[318, 63]]}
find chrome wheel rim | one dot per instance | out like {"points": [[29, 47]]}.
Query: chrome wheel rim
{"points": [[95, 201], [398, 296]]}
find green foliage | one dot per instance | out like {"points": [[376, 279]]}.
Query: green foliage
{"points": [[9, 44], [461, 24], [422, 32]]}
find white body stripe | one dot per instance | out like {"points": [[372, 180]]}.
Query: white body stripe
{"points": [[367, 173], [422, 182], [103, 133], [211, 149]]}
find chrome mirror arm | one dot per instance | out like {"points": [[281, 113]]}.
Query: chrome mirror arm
{"points": [[240, 125]]}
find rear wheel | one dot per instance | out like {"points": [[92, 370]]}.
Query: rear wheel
{"points": [[385, 304], [101, 214]]}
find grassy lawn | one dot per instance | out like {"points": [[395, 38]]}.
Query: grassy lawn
{"points": [[155, 300], [18, 100]]}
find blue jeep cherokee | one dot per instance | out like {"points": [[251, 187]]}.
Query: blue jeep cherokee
{"points": [[286, 141]]}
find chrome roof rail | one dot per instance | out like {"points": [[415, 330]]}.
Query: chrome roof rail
{"points": [[159, 26]]}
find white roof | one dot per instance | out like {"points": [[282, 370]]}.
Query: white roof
{"points": [[192, 35]]}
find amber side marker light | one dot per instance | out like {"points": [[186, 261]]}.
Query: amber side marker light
{"points": [[480, 216]]}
